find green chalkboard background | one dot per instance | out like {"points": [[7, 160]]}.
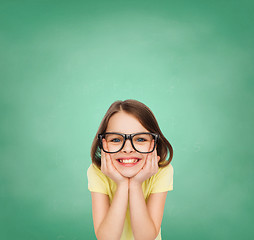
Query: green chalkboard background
{"points": [[64, 62]]}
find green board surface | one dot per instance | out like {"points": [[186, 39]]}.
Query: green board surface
{"points": [[62, 63]]}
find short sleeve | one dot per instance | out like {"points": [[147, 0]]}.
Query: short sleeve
{"points": [[97, 181], [163, 180]]}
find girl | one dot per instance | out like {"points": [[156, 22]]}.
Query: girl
{"points": [[129, 176]]}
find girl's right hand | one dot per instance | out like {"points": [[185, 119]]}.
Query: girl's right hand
{"points": [[109, 169]]}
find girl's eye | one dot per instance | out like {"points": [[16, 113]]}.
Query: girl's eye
{"points": [[141, 140], [115, 140]]}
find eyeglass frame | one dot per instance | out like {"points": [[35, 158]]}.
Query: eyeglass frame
{"points": [[126, 137]]}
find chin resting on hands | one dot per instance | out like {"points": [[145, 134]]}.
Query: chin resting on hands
{"points": [[149, 169]]}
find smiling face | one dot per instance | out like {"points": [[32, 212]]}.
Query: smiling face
{"points": [[127, 161]]}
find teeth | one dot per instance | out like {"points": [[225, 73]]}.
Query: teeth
{"points": [[128, 160]]}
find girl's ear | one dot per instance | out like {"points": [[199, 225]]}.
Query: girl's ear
{"points": [[158, 158]]}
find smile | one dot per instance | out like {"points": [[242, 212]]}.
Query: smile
{"points": [[128, 161]]}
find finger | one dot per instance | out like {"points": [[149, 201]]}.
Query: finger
{"points": [[153, 152], [156, 154], [105, 155], [157, 158], [103, 161], [152, 145], [154, 159], [148, 163], [149, 156], [105, 145], [108, 160], [155, 162]]}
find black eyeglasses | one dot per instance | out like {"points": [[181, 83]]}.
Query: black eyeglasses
{"points": [[141, 142]]}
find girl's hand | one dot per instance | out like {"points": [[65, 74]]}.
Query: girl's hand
{"points": [[149, 169], [109, 169]]}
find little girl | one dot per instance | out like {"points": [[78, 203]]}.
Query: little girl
{"points": [[129, 176]]}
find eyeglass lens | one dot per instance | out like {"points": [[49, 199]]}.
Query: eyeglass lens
{"points": [[142, 142]]}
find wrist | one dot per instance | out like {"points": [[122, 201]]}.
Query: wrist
{"points": [[135, 184], [123, 184]]}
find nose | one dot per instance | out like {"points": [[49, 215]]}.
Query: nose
{"points": [[127, 148]]}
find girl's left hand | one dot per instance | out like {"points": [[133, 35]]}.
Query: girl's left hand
{"points": [[149, 169]]}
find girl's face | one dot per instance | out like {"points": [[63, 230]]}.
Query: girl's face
{"points": [[127, 161]]}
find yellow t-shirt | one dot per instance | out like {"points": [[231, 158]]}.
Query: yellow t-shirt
{"points": [[162, 181]]}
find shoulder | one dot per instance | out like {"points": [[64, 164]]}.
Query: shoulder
{"points": [[168, 170], [97, 181], [162, 180], [93, 169]]}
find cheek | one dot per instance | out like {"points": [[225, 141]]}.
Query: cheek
{"points": [[114, 160], [144, 156], [113, 157]]}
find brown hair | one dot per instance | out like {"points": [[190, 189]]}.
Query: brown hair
{"points": [[145, 117]]}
